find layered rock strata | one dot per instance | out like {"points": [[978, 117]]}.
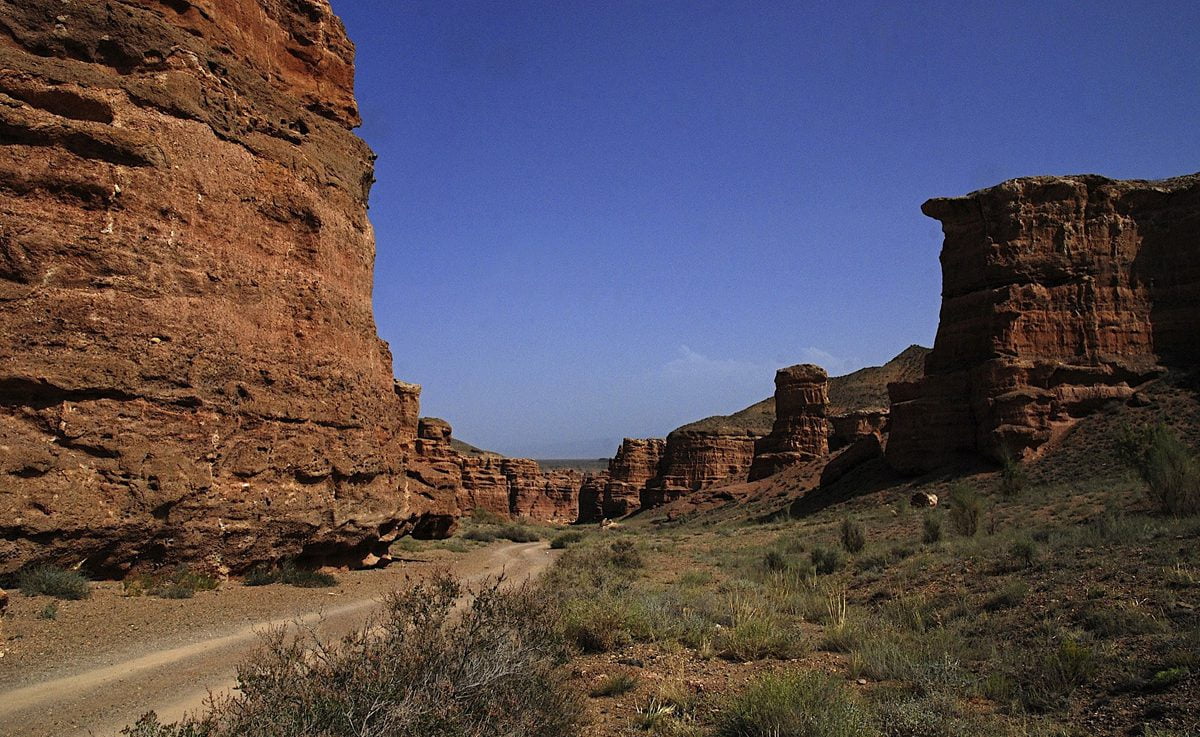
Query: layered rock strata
{"points": [[189, 366], [1059, 294], [801, 431], [636, 462], [695, 459], [848, 428]]}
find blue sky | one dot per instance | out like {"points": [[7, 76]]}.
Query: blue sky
{"points": [[605, 219]]}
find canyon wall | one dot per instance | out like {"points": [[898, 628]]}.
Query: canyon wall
{"points": [[697, 459], [189, 366], [1059, 294]]}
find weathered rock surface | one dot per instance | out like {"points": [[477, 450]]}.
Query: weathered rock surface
{"points": [[503, 487], [850, 427], [636, 462], [591, 497], [1060, 294], [189, 367], [801, 431], [696, 459]]}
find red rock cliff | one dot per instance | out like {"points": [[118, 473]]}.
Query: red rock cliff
{"points": [[189, 367], [698, 459], [1059, 294]]}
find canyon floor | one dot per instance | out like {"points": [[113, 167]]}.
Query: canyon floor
{"points": [[103, 661]]}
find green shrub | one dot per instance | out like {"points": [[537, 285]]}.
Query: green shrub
{"points": [[625, 554], [180, 582], [1120, 621], [1013, 476], [614, 685], [1010, 595], [480, 535], [826, 560], [794, 704], [966, 509], [518, 534], [53, 581], [854, 537], [261, 576], [1168, 466], [50, 611], [428, 667], [567, 538], [931, 528], [1058, 673]]}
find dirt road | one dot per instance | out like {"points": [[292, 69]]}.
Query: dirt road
{"points": [[172, 672]]}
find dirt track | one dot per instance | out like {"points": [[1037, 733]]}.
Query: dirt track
{"points": [[97, 686]]}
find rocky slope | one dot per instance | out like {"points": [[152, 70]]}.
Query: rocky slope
{"points": [[1060, 294], [189, 367]]}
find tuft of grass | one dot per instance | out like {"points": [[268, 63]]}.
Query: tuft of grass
{"points": [[50, 611], [796, 704], [180, 582], [614, 685], [931, 528], [1009, 596], [966, 509], [53, 581], [625, 554], [1024, 553], [854, 537], [1059, 673], [1120, 621]]}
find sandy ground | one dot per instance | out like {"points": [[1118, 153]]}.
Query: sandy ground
{"points": [[104, 661]]}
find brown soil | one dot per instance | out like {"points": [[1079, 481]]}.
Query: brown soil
{"points": [[104, 661]]}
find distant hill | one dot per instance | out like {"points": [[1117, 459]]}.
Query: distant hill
{"points": [[862, 389], [466, 449]]}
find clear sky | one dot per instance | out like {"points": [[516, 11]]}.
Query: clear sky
{"points": [[605, 218]]}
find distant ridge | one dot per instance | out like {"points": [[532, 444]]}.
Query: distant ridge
{"points": [[862, 389]]}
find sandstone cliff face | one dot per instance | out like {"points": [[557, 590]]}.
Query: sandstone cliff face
{"points": [[800, 432], [1059, 294], [850, 427], [636, 462], [189, 367], [694, 459]]}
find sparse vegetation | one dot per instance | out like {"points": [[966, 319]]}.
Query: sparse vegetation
{"points": [[797, 704], [180, 582], [614, 685], [421, 669], [854, 537], [53, 581], [965, 509], [931, 528], [1169, 467], [565, 539], [826, 560], [291, 575], [50, 611], [1013, 476]]}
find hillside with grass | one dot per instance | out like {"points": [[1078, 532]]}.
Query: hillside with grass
{"points": [[862, 389]]}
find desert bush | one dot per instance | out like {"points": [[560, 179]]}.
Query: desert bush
{"points": [[625, 554], [795, 704], [53, 581], [614, 685], [480, 535], [1057, 674], [1008, 596], [567, 538], [854, 537], [290, 574], [518, 534], [50, 611], [826, 560], [1013, 476], [180, 582], [931, 528], [424, 668], [966, 509], [1168, 466]]}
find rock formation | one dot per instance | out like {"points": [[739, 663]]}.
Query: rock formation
{"points": [[800, 432], [1059, 294], [850, 427], [189, 367], [591, 497], [636, 462], [698, 459]]}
